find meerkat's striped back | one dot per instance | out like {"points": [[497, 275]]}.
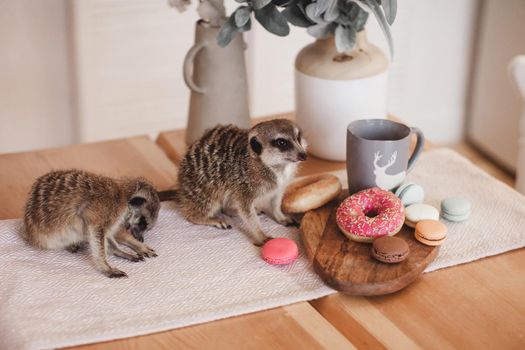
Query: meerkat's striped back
{"points": [[231, 170]]}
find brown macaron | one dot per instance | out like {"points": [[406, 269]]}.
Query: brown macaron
{"points": [[390, 250]]}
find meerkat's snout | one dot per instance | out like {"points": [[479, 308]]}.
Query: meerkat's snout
{"points": [[138, 229]]}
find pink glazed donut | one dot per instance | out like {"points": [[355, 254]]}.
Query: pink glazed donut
{"points": [[370, 214]]}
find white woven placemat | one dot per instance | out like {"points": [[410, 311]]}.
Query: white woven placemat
{"points": [[52, 299]]}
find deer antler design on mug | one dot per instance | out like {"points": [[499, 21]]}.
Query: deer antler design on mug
{"points": [[384, 180]]}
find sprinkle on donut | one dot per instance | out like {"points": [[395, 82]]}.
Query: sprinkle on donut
{"points": [[370, 214]]}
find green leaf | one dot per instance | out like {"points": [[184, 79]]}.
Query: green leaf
{"points": [[322, 6], [295, 16], [227, 32], [259, 4], [242, 16], [321, 30], [311, 11], [359, 19], [246, 27], [390, 8], [378, 13], [272, 20], [344, 38], [283, 3], [332, 12]]}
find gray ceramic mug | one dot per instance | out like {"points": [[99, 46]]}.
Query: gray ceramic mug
{"points": [[377, 153]]}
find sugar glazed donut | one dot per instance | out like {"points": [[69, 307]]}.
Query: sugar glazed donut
{"points": [[370, 214], [310, 193]]}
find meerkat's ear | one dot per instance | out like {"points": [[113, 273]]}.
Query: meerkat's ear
{"points": [[256, 145], [137, 201]]}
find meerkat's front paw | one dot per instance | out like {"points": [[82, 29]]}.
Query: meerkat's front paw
{"points": [[147, 252], [288, 221], [115, 273], [261, 243], [222, 225], [73, 248], [136, 258]]}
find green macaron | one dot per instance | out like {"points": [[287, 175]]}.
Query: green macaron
{"points": [[455, 209], [410, 193]]}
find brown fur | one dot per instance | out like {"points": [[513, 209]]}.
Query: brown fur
{"points": [[67, 208], [239, 171]]}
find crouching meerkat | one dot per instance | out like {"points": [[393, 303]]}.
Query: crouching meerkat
{"points": [[241, 171], [68, 208]]}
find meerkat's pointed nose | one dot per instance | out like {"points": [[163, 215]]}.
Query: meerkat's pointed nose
{"points": [[302, 156]]}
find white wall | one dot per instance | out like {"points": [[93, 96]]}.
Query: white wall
{"points": [[429, 77], [496, 104], [35, 98], [127, 66]]}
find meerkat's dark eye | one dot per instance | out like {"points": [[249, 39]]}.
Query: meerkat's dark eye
{"points": [[137, 201], [282, 144]]}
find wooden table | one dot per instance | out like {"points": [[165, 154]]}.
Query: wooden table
{"points": [[476, 305]]}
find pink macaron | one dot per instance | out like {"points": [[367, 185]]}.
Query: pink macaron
{"points": [[280, 251]]}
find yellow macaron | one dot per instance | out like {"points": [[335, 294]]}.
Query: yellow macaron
{"points": [[420, 211]]}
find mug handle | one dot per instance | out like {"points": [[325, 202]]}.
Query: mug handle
{"points": [[187, 68], [419, 147]]}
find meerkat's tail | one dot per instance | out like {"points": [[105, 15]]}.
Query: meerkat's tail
{"points": [[169, 195]]}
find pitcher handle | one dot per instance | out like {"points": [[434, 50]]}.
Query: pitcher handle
{"points": [[419, 147], [188, 68]]}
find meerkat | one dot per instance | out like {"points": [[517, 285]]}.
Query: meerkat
{"points": [[239, 171], [69, 208]]}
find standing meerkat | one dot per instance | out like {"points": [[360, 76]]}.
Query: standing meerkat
{"points": [[239, 171], [67, 208]]}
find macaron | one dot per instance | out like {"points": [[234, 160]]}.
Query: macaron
{"points": [[280, 251], [389, 249], [410, 193], [430, 232], [420, 211], [455, 209]]}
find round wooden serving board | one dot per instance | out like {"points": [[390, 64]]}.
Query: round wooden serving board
{"points": [[348, 266]]}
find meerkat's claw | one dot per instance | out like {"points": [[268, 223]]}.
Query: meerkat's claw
{"points": [[137, 258], [115, 273], [293, 223], [147, 252], [222, 225], [74, 248], [260, 244], [130, 257], [288, 221]]}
